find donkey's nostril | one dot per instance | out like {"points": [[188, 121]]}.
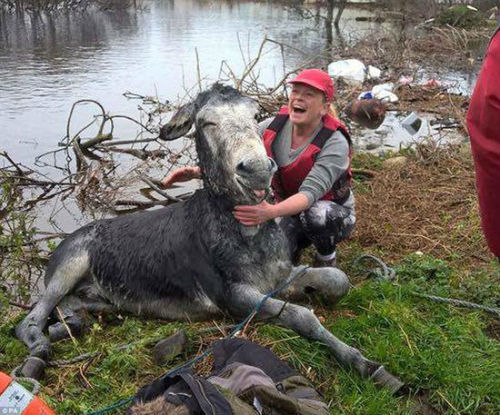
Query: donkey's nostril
{"points": [[243, 168], [272, 165], [250, 166]]}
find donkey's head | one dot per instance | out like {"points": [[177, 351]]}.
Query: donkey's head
{"points": [[232, 156]]}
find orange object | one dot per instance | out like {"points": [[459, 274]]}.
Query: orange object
{"points": [[15, 399]]}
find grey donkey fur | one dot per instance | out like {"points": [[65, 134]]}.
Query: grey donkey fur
{"points": [[193, 260]]}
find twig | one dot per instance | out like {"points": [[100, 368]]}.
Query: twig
{"points": [[75, 104], [91, 142], [282, 340], [158, 190], [63, 321], [81, 371], [19, 305], [140, 154], [407, 339], [448, 402], [250, 318], [125, 117], [141, 204], [14, 164], [198, 68], [124, 142], [252, 64]]}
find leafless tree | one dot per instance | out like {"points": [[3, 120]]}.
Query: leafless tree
{"points": [[330, 19]]}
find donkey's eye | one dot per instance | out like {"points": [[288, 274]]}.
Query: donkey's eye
{"points": [[208, 124]]}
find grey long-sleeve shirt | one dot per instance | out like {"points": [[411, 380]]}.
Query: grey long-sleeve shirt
{"points": [[332, 161]]}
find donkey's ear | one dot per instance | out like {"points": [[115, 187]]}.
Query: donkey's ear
{"points": [[180, 124]]}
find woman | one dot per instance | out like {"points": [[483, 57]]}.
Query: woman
{"points": [[312, 185]]}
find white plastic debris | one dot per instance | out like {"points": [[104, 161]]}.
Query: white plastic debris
{"points": [[388, 86], [471, 8], [352, 71], [384, 92], [412, 123], [373, 72]]}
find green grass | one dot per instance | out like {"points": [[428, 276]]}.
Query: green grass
{"points": [[434, 348], [442, 352]]}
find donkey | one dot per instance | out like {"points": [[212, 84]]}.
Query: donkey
{"points": [[193, 260]]}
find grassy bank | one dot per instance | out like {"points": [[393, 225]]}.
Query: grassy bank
{"points": [[421, 217]]}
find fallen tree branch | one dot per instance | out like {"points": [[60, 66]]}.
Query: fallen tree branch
{"points": [[158, 190]]}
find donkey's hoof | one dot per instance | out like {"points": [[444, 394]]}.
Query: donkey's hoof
{"points": [[59, 331], [33, 367], [382, 378], [40, 349]]}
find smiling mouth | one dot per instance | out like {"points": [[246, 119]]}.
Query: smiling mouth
{"points": [[298, 110], [260, 194]]}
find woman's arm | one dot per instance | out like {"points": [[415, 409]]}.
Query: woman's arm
{"points": [[182, 174], [251, 215], [331, 163]]}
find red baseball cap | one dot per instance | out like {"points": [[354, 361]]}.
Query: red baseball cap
{"points": [[317, 79]]}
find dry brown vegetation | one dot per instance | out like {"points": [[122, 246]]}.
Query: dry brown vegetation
{"points": [[429, 204], [429, 46]]}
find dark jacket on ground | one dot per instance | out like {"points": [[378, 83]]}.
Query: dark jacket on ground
{"points": [[247, 379]]}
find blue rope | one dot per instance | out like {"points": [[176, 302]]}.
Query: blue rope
{"points": [[113, 407], [300, 271]]}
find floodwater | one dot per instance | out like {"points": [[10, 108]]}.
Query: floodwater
{"points": [[48, 61]]}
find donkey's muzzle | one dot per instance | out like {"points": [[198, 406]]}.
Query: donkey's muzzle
{"points": [[255, 173], [248, 167]]}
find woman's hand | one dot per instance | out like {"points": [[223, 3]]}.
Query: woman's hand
{"points": [[257, 214], [252, 215], [182, 174]]}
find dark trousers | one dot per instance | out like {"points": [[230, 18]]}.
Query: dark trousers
{"points": [[324, 225]]}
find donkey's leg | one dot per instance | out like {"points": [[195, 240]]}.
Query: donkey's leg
{"points": [[71, 311], [328, 284], [245, 298], [69, 318], [64, 276]]}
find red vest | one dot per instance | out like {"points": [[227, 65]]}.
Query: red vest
{"points": [[483, 123], [288, 179]]}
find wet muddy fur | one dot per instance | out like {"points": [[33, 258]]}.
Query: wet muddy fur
{"points": [[193, 260]]}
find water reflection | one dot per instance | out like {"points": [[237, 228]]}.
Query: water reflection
{"points": [[49, 60]]}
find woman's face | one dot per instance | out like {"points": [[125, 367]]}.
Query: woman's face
{"points": [[306, 105]]}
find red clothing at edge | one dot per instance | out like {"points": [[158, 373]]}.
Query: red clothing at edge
{"points": [[288, 179], [483, 123]]}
